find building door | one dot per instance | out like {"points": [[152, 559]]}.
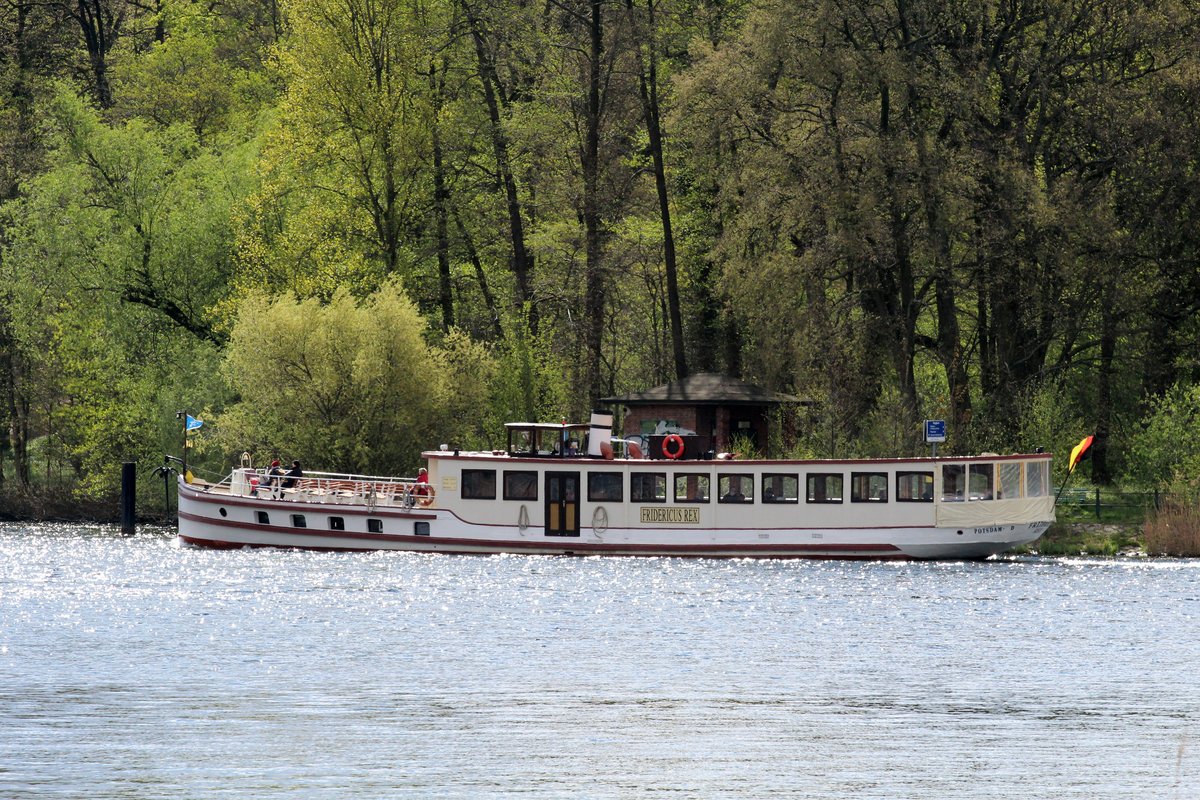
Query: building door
{"points": [[562, 503]]}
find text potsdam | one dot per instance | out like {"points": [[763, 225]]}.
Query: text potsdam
{"points": [[660, 514]]}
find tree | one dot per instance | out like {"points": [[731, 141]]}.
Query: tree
{"points": [[346, 169], [348, 385], [133, 215]]}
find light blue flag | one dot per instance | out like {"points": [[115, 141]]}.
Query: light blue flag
{"points": [[193, 423]]}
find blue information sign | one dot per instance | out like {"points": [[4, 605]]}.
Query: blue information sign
{"points": [[935, 430]]}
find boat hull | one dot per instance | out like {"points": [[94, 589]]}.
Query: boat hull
{"points": [[209, 518]]}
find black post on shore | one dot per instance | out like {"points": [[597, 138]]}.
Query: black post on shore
{"points": [[128, 493]]}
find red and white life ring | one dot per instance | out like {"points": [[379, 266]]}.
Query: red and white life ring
{"points": [[672, 446]]}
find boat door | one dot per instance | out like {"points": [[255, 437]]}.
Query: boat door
{"points": [[562, 503]]}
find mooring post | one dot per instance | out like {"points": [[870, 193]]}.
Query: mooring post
{"points": [[128, 493]]}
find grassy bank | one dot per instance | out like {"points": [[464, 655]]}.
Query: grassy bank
{"points": [[1090, 539]]}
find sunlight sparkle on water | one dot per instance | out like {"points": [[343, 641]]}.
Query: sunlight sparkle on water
{"points": [[134, 667]]}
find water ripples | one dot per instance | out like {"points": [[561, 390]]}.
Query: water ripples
{"points": [[131, 667]]}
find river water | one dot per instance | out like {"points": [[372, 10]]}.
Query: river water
{"points": [[134, 668]]}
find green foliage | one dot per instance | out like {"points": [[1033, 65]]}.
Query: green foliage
{"points": [[349, 385], [1165, 451], [858, 220], [187, 79], [344, 171], [1047, 419]]}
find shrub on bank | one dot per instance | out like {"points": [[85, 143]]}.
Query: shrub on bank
{"points": [[1174, 529]]}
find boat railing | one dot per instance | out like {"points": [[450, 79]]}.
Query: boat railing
{"points": [[326, 487]]}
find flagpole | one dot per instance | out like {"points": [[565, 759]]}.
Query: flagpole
{"points": [[1066, 480], [184, 414]]}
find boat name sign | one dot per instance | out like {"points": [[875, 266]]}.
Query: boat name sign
{"points": [[660, 514]]}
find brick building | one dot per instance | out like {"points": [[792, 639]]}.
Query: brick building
{"points": [[709, 409]]}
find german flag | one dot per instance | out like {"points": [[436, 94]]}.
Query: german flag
{"points": [[1079, 452]]}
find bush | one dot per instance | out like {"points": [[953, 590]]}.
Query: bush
{"points": [[1174, 529]]}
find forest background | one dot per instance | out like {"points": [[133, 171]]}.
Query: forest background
{"points": [[344, 230]]}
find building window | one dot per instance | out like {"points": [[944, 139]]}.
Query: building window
{"points": [[605, 487], [264, 518], [298, 521], [824, 487], [374, 525], [648, 487], [337, 524], [914, 487], [735, 489], [692, 487], [479, 484], [868, 487], [421, 528], [780, 488], [520, 485]]}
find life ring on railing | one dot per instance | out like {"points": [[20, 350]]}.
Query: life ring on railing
{"points": [[423, 494], [673, 446]]}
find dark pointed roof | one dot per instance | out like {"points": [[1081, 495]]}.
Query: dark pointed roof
{"points": [[704, 388]]}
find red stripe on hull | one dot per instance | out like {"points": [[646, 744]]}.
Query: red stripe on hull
{"points": [[431, 544]]}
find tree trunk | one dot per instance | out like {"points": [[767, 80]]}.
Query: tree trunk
{"points": [[595, 283], [100, 21], [484, 289], [648, 84], [441, 195], [1108, 348], [521, 260], [953, 360]]}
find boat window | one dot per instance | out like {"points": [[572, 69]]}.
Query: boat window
{"points": [[375, 525], [298, 521], [520, 485], [953, 483], [868, 487], [520, 441], [780, 488], [421, 528], [337, 524], [1035, 479], [735, 489], [648, 487], [692, 487], [605, 487], [264, 518], [981, 477], [1010, 480], [824, 487], [914, 487], [479, 484]]}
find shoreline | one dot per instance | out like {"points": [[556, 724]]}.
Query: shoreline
{"points": [[1063, 538]]}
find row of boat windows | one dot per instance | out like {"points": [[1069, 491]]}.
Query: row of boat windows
{"points": [[978, 482], [339, 523]]}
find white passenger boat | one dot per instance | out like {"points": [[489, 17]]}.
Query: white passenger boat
{"points": [[560, 489]]}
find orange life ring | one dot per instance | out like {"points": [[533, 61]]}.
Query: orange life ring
{"points": [[673, 446], [424, 493]]}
